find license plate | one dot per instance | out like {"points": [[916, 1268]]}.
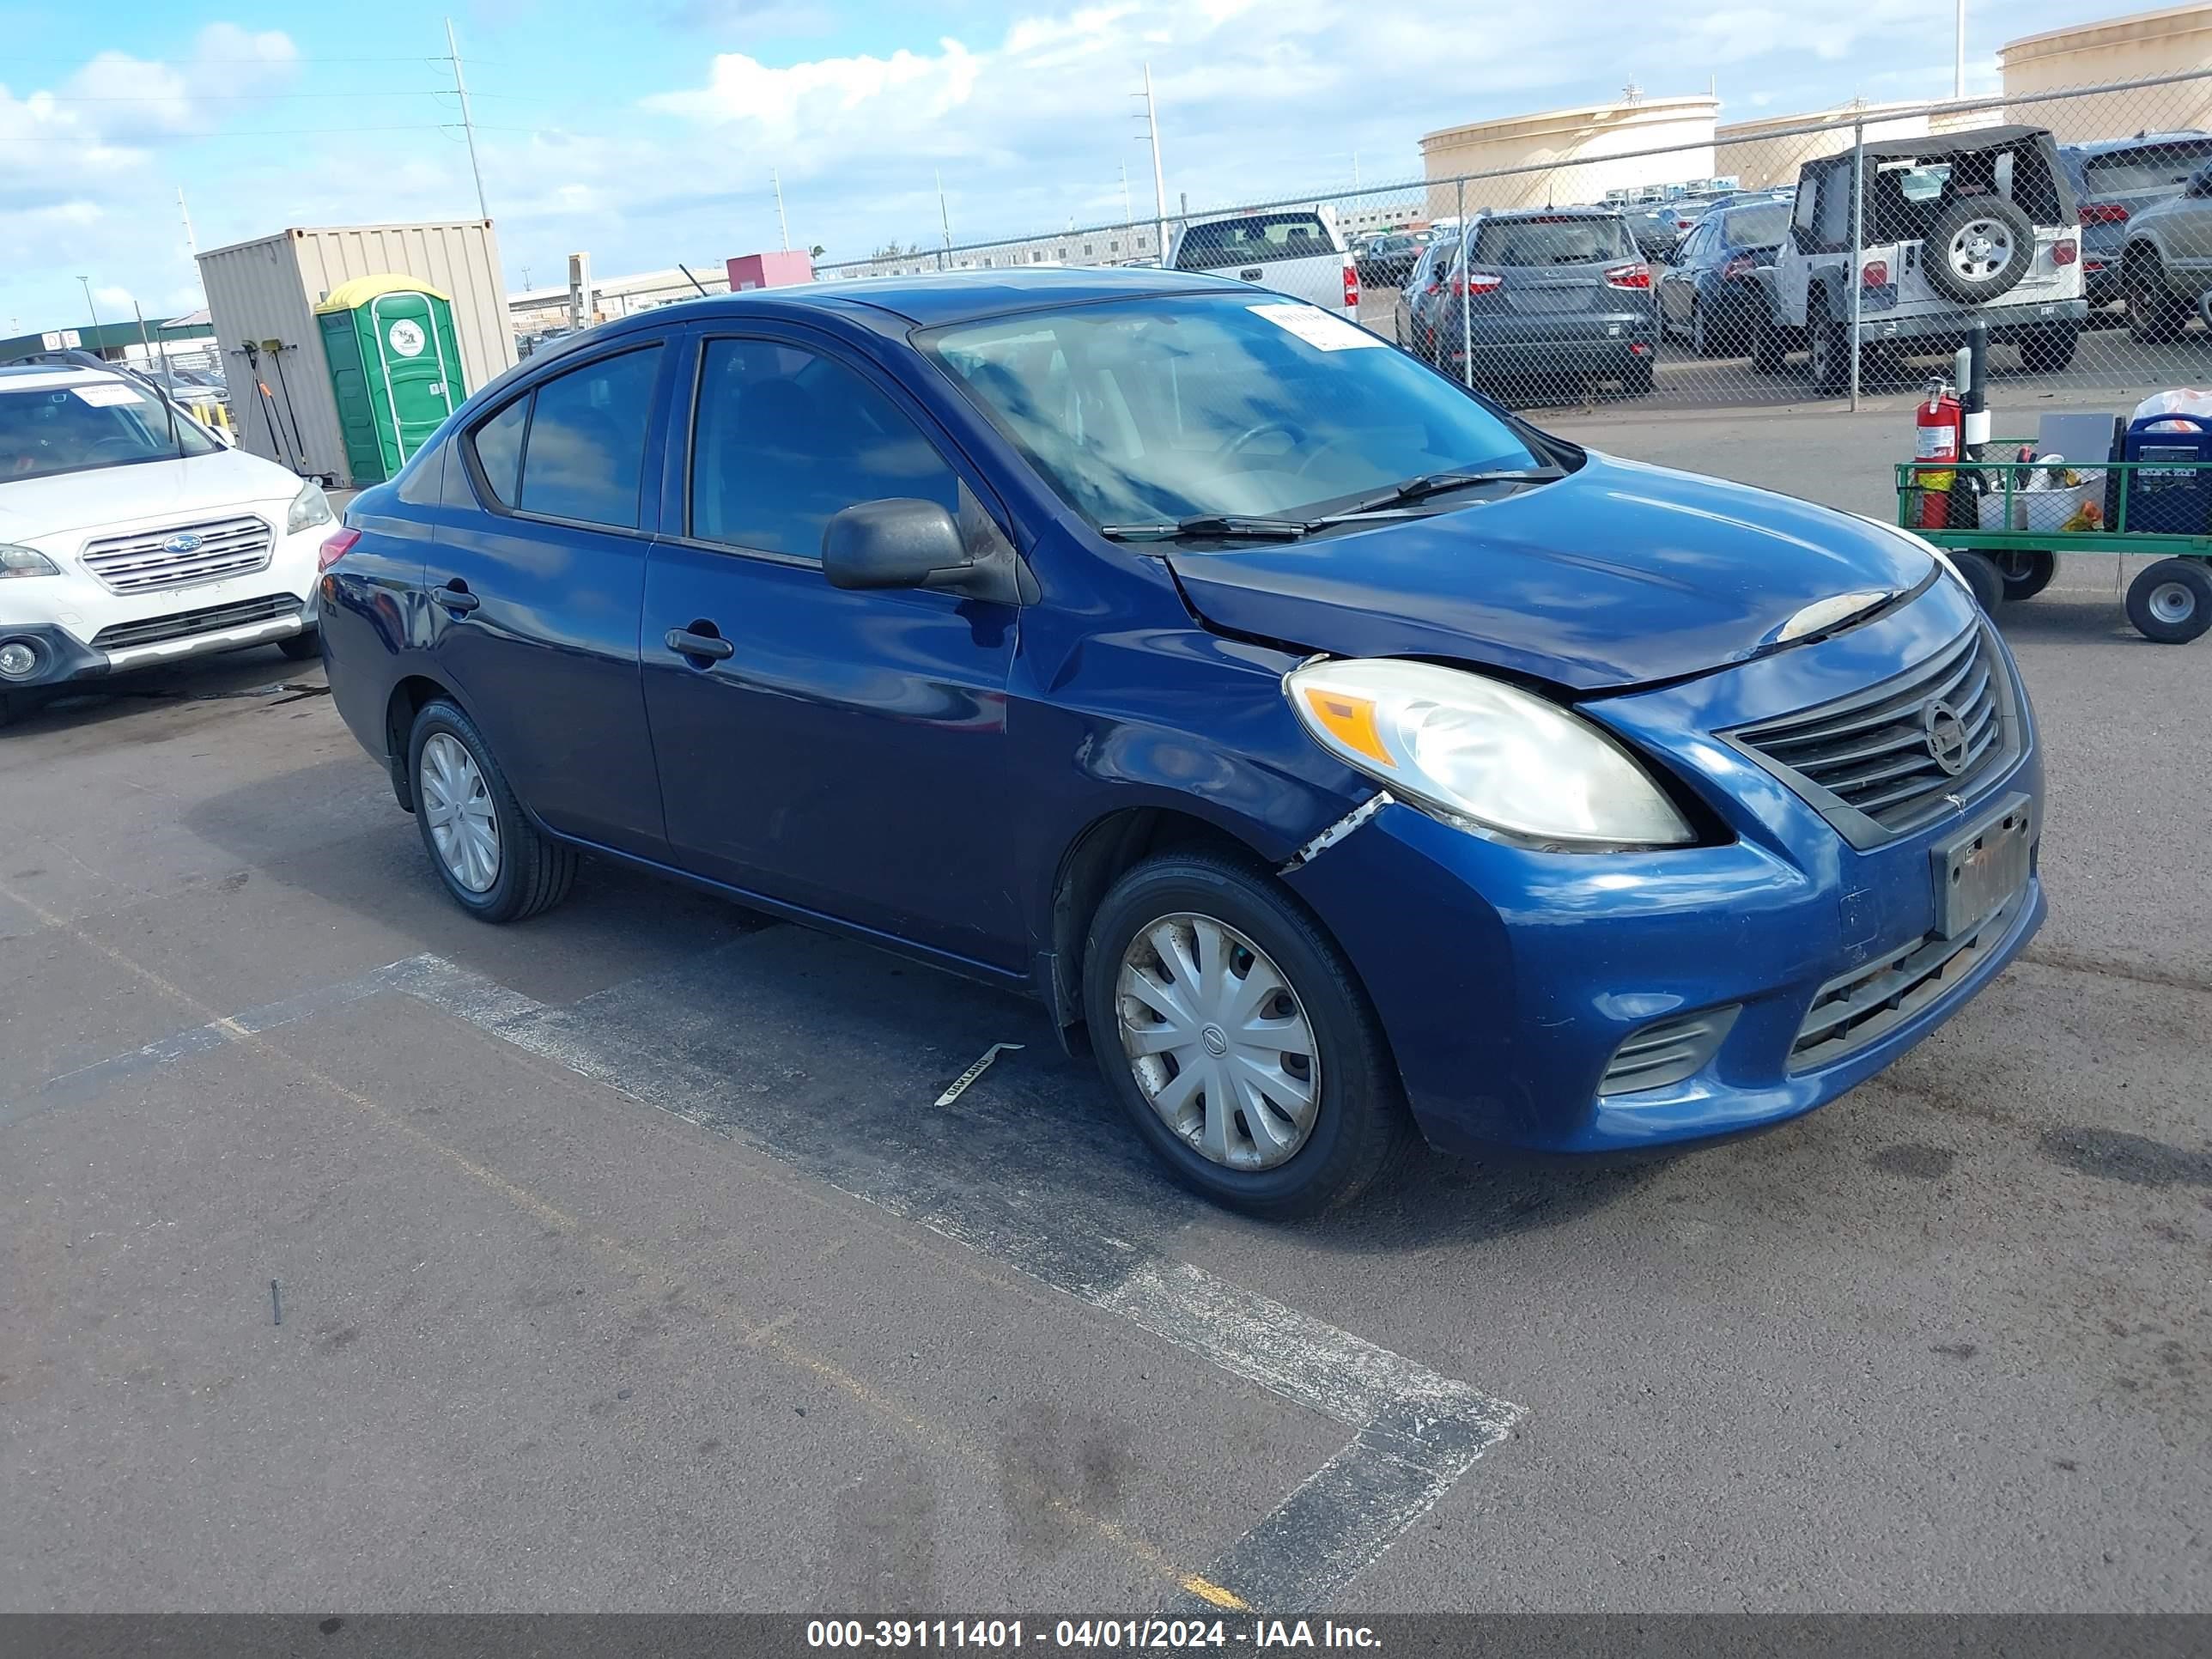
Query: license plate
{"points": [[1984, 865]]}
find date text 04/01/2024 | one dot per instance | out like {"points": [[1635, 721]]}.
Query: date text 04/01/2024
{"points": [[1260, 1635]]}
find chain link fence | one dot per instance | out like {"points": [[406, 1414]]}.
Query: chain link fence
{"points": [[1738, 271]]}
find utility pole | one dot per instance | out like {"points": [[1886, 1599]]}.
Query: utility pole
{"points": [[1958, 64], [162, 347], [1159, 178], [782, 224], [944, 216], [1128, 216], [468, 124], [87, 283], [191, 242]]}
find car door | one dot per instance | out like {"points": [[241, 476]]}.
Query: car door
{"points": [[535, 594], [841, 751], [1678, 282]]}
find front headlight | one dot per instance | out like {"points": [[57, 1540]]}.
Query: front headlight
{"points": [[1485, 753], [309, 508], [24, 561]]}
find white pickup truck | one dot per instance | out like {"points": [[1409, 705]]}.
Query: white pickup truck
{"points": [[1296, 251]]}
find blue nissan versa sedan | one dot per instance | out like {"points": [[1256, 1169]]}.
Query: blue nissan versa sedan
{"points": [[1331, 751]]}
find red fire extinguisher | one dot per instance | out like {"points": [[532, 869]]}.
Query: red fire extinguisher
{"points": [[1936, 428]]}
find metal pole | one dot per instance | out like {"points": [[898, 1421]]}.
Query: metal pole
{"points": [[191, 242], [86, 282], [782, 224], [468, 126], [1466, 311], [1855, 276], [1159, 177], [944, 214], [1128, 214], [1958, 67]]}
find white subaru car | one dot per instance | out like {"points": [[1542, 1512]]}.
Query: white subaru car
{"points": [[131, 536]]}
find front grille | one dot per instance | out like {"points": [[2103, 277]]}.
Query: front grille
{"points": [[185, 623], [1868, 761], [1859, 1007], [143, 563]]}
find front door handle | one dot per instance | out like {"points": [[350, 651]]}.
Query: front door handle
{"points": [[711, 647], [456, 597]]}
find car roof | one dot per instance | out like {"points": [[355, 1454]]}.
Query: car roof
{"points": [[934, 298], [1521, 216], [30, 374], [2139, 141]]}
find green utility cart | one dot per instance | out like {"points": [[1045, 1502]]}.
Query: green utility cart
{"points": [[2006, 534], [395, 365]]}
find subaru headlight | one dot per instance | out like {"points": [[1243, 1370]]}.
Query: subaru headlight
{"points": [[24, 561], [309, 508], [1486, 755]]}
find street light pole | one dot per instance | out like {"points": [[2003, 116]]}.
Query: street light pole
{"points": [[1159, 178], [1959, 63], [86, 282]]}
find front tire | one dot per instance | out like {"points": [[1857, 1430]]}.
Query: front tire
{"points": [[1238, 1039], [495, 863], [2154, 316]]}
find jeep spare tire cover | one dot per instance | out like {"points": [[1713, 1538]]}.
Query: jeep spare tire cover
{"points": [[1977, 248]]}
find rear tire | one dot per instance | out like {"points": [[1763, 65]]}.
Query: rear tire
{"points": [[2170, 602], [1636, 380], [1357, 1127], [2155, 315], [1830, 351], [2047, 350], [1768, 348], [528, 869]]}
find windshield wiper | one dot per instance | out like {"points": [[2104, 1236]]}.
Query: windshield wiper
{"points": [[1212, 525], [1409, 490]]}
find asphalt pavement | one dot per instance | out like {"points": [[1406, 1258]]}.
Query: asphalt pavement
{"points": [[626, 1260]]}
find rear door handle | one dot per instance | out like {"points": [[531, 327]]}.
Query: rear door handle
{"points": [[711, 646], [456, 599]]}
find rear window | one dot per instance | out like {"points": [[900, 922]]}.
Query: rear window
{"points": [[2151, 167], [1759, 227], [1253, 240], [1549, 241]]}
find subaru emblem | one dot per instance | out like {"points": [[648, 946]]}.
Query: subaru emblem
{"points": [[183, 542]]}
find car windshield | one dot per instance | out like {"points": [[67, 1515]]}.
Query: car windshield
{"points": [[82, 424], [1172, 407], [1560, 240], [1762, 226]]}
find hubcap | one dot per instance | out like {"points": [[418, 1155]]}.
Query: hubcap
{"points": [[458, 808], [1217, 1042], [2170, 602], [1981, 249]]}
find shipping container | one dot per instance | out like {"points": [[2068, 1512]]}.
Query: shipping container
{"points": [[268, 289]]}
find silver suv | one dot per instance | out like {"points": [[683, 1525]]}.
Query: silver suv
{"points": [[2167, 269], [1965, 227]]}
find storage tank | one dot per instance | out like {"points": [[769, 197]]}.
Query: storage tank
{"points": [[267, 289]]}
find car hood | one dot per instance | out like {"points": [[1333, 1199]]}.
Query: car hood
{"points": [[1619, 574], [33, 507]]}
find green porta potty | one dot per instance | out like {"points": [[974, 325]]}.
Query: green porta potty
{"points": [[396, 364]]}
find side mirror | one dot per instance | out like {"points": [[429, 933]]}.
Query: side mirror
{"points": [[2200, 182], [897, 542]]}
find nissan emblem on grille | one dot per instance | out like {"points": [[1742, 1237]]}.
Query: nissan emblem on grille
{"points": [[1946, 736], [183, 542]]}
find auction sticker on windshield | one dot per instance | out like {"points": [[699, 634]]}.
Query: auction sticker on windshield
{"points": [[1317, 328], [106, 394]]}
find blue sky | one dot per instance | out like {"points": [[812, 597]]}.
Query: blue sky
{"points": [[644, 131]]}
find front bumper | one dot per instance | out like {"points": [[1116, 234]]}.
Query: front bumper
{"points": [[1527, 971], [82, 632]]}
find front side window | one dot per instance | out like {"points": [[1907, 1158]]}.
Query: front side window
{"points": [[1170, 406], [784, 438], [586, 452], [89, 423]]}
